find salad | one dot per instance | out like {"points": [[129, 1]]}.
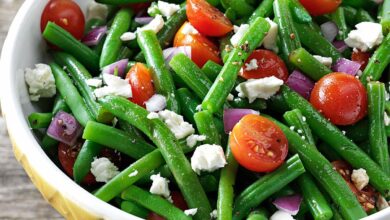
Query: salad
{"points": [[218, 109]]}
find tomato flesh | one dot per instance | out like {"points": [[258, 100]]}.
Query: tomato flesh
{"points": [[362, 58], [207, 19], [320, 7], [258, 144], [141, 82], [269, 64], [341, 98]]}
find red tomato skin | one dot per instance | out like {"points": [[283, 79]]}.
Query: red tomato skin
{"points": [[320, 7], [253, 138], [362, 58], [269, 64], [207, 19], [137, 7], [141, 83], [65, 13], [341, 98]]}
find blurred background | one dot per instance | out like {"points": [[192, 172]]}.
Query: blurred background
{"points": [[18, 197]]}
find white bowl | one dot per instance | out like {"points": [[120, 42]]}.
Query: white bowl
{"points": [[23, 48]]}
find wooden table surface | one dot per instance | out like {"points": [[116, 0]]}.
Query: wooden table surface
{"points": [[18, 197]]}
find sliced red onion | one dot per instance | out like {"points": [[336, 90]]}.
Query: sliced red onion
{"points": [[119, 66], [94, 36], [300, 83], [65, 128], [289, 204], [169, 53], [232, 116], [346, 66], [143, 20], [340, 45], [329, 30]]}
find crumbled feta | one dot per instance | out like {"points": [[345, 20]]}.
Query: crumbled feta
{"points": [[381, 203], [239, 33], [188, 29], [270, 39], [259, 88], [159, 186], [327, 61], [103, 169], [208, 157], [252, 65], [230, 97], [292, 128], [155, 25], [193, 139], [191, 212], [167, 9], [134, 173], [214, 214], [94, 82], [128, 36], [115, 86], [156, 103], [366, 36], [96, 10], [176, 124], [386, 119], [281, 215], [40, 81], [360, 178], [198, 108], [303, 118], [152, 115]]}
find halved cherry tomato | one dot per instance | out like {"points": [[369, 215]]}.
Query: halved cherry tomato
{"points": [[366, 196], [202, 49], [258, 144], [141, 83], [341, 98], [320, 7], [178, 201], [362, 58], [269, 64], [207, 19], [65, 13]]}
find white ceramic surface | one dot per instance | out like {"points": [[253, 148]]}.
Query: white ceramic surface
{"points": [[23, 48]]}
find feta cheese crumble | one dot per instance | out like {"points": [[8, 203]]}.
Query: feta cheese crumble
{"points": [[156, 103], [40, 81], [135, 173], [239, 33], [386, 119], [360, 178], [189, 29], [327, 61], [381, 203], [252, 65], [96, 10], [270, 39], [103, 169], [193, 139], [128, 36], [208, 157], [159, 186], [230, 97], [191, 212], [214, 214], [152, 115], [176, 124], [114, 86], [167, 9], [155, 25], [94, 82], [259, 88], [366, 36], [281, 215]]}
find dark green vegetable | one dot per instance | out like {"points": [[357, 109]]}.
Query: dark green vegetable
{"points": [[338, 17], [241, 7], [295, 119], [206, 126], [328, 152], [59, 105], [39, 120], [265, 9], [209, 183], [299, 12], [261, 214], [385, 17], [134, 209], [188, 103], [82, 165], [211, 69], [357, 132], [258, 104]]}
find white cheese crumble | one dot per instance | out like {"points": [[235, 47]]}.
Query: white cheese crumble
{"points": [[252, 65], [188, 29], [128, 36], [381, 203], [327, 61], [281, 215], [193, 139], [191, 212], [366, 36], [156, 103], [208, 157], [94, 82], [134, 173], [103, 169], [259, 88], [386, 119], [198, 108], [230, 97], [360, 178], [159, 186], [114, 86], [96, 10], [152, 115], [214, 214], [176, 124], [239, 33], [167, 9], [40, 81], [270, 40], [155, 25]]}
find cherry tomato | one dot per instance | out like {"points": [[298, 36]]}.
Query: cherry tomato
{"points": [[320, 7], [202, 49], [366, 196], [65, 13], [67, 156], [362, 58], [207, 19], [269, 64], [178, 201], [137, 7], [341, 98], [258, 144], [141, 83]]}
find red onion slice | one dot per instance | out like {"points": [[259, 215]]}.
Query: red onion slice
{"points": [[289, 204], [300, 83], [340, 45], [143, 20], [93, 37], [329, 30], [169, 53], [232, 116], [65, 128], [346, 66], [119, 66]]}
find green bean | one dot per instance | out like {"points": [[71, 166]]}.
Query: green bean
{"points": [[350, 15], [260, 214], [338, 17], [64, 40], [124, 53], [121, 2], [188, 103], [359, 3], [209, 183], [154, 203], [161, 76], [300, 14], [211, 69], [362, 15], [266, 186], [92, 23], [224, 83], [170, 149], [337, 140], [206, 126], [59, 105], [134, 209], [113, 43], [377, 63], [225, 48], [295, 119], [328, 152], [71, 96], [376, 93], [99, 47], [82, 165], [357, 132], [49, 144], [39, 120], [265, 9], [162, 170], [304, 61], [277, 104], [385, 17], [258, 104], [241, 7]]}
